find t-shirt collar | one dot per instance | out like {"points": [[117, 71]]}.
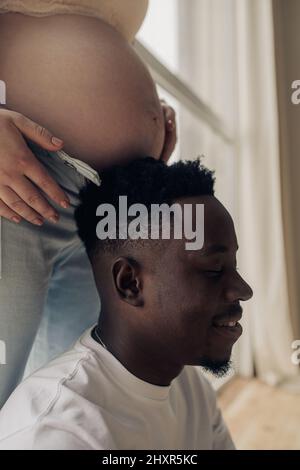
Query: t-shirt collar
{"points": [[120, 374]]}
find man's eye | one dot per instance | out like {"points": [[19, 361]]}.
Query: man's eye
{"points": [[214, 273]]}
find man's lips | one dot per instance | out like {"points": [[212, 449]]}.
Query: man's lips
{"points": [[228, 326], [229, 320]]}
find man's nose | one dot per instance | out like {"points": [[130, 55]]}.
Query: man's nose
{"points": [[238, 289]]}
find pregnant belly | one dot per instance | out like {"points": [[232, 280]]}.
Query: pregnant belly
{"points": [[78, 77]]}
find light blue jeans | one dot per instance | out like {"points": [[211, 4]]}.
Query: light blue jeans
{"points": [[48, 295]]}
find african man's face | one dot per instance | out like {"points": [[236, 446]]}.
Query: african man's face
{"points": [[193, 297]]}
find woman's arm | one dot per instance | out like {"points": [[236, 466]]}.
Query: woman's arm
{"points": [[22, 175]]}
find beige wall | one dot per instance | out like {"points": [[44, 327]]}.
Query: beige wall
{"points": [[287, 47]]}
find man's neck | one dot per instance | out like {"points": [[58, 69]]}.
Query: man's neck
{"points": [[146, 363]]}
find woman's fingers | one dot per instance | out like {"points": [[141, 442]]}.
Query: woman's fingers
{"points": [[37, 133], [169, 146], [34, 199], [35, 171], [9, 214], [170, 117], [171, 132], [23, 179], [16, 204]]}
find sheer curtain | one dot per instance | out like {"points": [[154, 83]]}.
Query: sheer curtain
{"points": [[2, 92], [287, 54], [226, 54]]}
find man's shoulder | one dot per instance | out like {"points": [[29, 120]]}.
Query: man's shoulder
{"points": [[38, 394]]}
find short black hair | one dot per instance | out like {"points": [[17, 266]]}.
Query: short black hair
{"points": [[146, 181]]}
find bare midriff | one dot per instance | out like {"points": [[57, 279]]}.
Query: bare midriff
{"points": [[80, 78]]}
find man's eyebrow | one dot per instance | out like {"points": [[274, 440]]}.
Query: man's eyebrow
{"points": [[214, 249]]}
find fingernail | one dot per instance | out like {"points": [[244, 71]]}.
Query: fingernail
{"points": [[65, 204], [56, 141], [16, 219], [38, 222], [171, 125], [54, 218]]}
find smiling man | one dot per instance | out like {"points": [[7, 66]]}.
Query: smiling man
{"points": [[130, 382]]}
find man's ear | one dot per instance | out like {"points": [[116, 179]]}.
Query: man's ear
{"points": [[127, 278]]}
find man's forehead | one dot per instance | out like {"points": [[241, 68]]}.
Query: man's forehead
{"points": [[218, 237], [219, 231], [208, 251]]}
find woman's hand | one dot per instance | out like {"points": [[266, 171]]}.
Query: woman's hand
{"points": [[171, 131], [22, 176]]}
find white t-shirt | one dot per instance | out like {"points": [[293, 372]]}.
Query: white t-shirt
{"points": [[86, 399]]}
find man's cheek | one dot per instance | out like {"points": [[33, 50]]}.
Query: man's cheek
{"points": [[196, 318]]}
